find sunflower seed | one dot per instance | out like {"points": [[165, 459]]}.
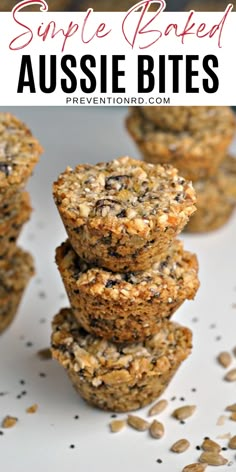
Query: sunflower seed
{"points": [[32, 409], [234, 351], [157, 429], [212, 458], [158, 408], [9, 421], [180, 446], [231, 376], [233, 416], [184, 412], [224, 359], [194, 468], [117, 425], [211, 446], [231, 407], [232, 443], [137, 423]]}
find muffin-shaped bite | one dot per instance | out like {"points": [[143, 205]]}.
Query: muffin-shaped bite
{"points": [[216, 199], [19, 153], [127, 307], [14, 278], [12, 219], [118, 377], [188, 119], [123, 215], [196, 152]]}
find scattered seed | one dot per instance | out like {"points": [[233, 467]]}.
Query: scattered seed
{"points": [[157, 429], [158, 408], [212, 458], [44, 354], [224, 359], [117, 425], [211, 446], [233, 416], [221, 420], [234, 351], [231, 376], [224, 436], [137, 423], [184, 412], [180, 446], [231, 407], [194, 468], [232, 443], [9, 421], [32, 409]]}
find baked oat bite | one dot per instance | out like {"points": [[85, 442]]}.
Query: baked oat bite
{"points": [[14, 278], [190, 119], [19, 153], [127, 307], [123, 215], [19, 213], [228, 169], [118, 377], [216, 199], [12, 220], [196, 153]]}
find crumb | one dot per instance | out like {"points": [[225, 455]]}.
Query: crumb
{"points": [[9, 421], [32, 409]]}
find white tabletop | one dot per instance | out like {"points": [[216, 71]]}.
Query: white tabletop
{"points": [[41, 442]]}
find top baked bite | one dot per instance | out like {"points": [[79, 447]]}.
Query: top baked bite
{"points": [[124, 214], [19, 152]]}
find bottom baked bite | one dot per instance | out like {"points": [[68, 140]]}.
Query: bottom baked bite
{"points": [[118, 377], [13, 281]]}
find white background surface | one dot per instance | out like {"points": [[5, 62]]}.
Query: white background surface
{"points": [[41, 442]]}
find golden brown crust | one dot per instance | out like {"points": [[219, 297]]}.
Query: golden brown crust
{"points": [[187, 119], [216, 199], [197, 155], [118, 377], [19, 153], [13, 280], [11, 226], [127, 307], [123, 214]]}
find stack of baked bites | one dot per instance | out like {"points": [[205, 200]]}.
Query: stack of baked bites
{"points": [[125, 275], [195, 140], [19, 152]]}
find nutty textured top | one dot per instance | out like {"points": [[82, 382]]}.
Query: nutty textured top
{"points": [[102, 361], [19, 151], [191, 119], [220, 126], [124, 190], [178, 270], [16, 273]]}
